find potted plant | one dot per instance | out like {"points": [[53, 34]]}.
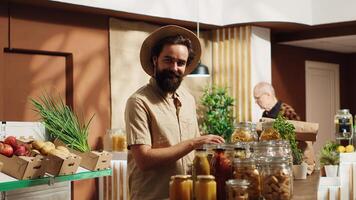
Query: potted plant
{"points": [[330, 158], [217, 118], [287, 132]]}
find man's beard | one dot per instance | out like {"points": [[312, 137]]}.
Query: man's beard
{"points": [[168, 80]]}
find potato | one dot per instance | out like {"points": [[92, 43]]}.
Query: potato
{"points": [[50, 144], [38, 144], [63, 149]]}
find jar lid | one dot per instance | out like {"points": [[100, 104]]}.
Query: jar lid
{"points": [[237, 182], [180, 176], [201, 149], [205, 177], [344, 111]]}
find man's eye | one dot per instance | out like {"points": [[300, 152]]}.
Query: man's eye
{"points": [[181, 63]]}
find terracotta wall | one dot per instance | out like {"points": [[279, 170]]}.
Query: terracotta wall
{"points": [[288, 74], [85, 37]]}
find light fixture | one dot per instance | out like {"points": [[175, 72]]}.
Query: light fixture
{"points": [[201, 70]]}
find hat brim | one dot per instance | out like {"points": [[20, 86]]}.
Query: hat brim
{"points": [[166, 31]]}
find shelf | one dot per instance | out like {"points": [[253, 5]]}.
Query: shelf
{"points": [[8, 183]]}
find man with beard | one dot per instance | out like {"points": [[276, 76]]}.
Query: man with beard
{"points": [[161, 124]]}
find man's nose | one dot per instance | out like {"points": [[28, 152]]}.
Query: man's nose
{"points": [[174, 66]]}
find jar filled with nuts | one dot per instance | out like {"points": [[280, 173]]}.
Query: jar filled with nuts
{"points": [[241, 150], [276, 179], [236, 189], [221, 168], [247, 169]]}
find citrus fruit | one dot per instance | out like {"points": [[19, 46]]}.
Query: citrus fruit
{"points": [[341, 149], [349, 148]]}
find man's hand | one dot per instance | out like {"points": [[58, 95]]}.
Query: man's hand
{"points": [[148, 158], [207, 139]]}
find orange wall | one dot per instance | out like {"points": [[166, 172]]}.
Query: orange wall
{"points": [[83, 35]]}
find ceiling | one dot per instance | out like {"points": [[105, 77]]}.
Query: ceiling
{"points": [[341, 44]]}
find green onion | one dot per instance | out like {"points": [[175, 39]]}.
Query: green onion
{"points": [[62, 123]]}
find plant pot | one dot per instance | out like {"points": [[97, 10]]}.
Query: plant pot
{"points": [[300, 171], [331, 170]]}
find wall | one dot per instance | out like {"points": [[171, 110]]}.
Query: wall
{"points": [[83, 36], [288, 74]]}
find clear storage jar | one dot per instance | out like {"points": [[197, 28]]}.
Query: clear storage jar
{"points": [[236, 189], [205, 188], [247, 169], [180, 187], [276, 179], [268, 132], [244, 132], [117, 139]]}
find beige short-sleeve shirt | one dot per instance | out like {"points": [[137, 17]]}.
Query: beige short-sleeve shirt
{"points": [[151, 118]]}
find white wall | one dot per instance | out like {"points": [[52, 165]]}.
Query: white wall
{"points": [[260, 63]]}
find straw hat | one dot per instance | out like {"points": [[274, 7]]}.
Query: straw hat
{"points": [[166, 31]]}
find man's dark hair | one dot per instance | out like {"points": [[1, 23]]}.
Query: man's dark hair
{"points": [[170, 40]]}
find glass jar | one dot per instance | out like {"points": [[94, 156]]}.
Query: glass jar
{"points": [[201, 165], [244, 133], [236, 189], [343, 125], [180, 187], [221, 168], [117, 139], [247, 169], [241, 150], [205, 188], [263, 150], [268, 132], [276, 179]]}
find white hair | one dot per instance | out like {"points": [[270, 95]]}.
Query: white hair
{"points": [[264, 87]]}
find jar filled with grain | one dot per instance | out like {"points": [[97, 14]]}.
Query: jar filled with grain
{"points": [[276, 175]]}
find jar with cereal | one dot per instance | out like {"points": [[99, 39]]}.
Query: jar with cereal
{"points": [[247, 169], [276, 178]]}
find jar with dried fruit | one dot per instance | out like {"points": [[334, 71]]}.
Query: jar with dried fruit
{"points": [[247, 169], [180, 187], [244, 133], [221, 168], [236, 189], [276, 179], [268, 132]]}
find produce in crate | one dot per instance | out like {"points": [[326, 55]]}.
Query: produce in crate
{"points": [[62, 123], [10, 147], [48, 148]]}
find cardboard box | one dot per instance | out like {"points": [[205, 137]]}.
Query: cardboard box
{"points": [[58, 165], [304, 131], [93, 160], [23, 167], [1, 164]]}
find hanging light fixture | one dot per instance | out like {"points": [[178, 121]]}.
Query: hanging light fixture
{"points": [[201, 70]]}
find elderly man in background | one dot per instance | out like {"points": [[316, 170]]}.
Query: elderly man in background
{"points": [[265, 97]]}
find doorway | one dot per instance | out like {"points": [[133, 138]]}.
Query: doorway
{"points": [[322, 99]]}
